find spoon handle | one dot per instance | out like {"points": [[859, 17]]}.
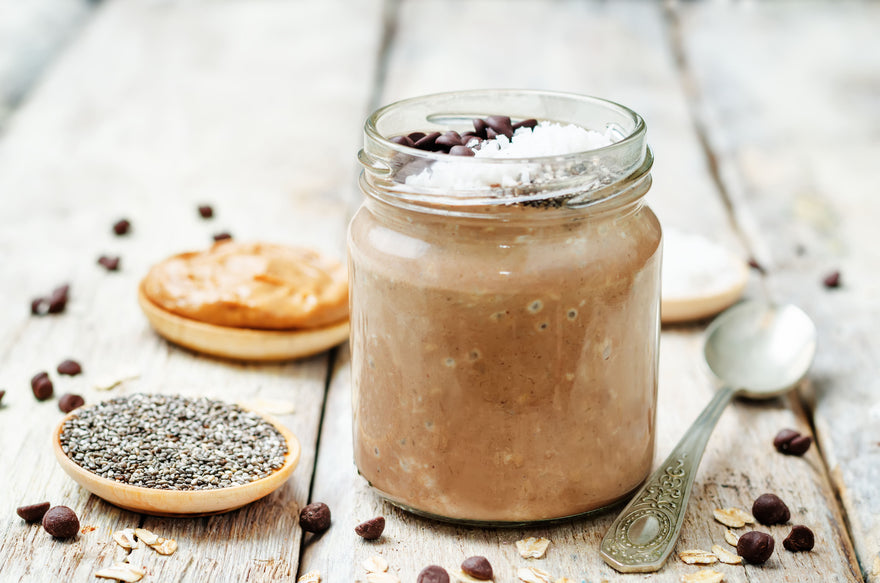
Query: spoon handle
{"points": [[645, 532]]}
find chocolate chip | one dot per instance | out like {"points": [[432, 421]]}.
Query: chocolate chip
{"points": [[222, 236], [461, 151], [428, 142], [477, 567], [371, 529], [799, 539], [790, 442], [57, 300], [70, 368], [42, 386], [433, 574], [402, 140], [121, 227], [501, 124], [448, 140], [315, 517], [491, 134], [832, 280], [480, 127], [33, 512], [416, 136], [770, 509], [61, 522], [526, 123], [206, 211], [68, 402], [755, 547], [2, 394], [109, 262]]}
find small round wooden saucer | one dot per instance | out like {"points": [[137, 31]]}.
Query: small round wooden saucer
{"points": [[682, 305], [241, 343], [179, 503]]}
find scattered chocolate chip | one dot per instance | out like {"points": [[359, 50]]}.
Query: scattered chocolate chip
{"points": [[753, 263], [222, 236], [2, 394], [770, 509], [433, 574], [448, 140], [206, 211], [315, 517], [477, 567], [799, 539], [416, 136], [61, 522], [109, 262], [460, 151], [755, 547], [402, 140], [480, 127], [33, 512], [501, 124], [68, 402], [371, 529], [491, 134], [57, 300], [832, 280], [790, 442], [428, 142], [42, 386], [70, 368], [121, 227], [526, 123]]}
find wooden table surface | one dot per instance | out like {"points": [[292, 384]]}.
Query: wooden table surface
{"points": [[765, 121]]}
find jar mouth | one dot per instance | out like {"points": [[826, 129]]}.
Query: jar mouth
{"points": [[407, 174]]}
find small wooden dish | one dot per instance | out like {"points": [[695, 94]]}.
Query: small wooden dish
{"points": [[179, 503], [687, 308], [241, 343]]}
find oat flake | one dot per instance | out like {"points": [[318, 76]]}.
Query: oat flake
{"points": [[310, 577], [733, 517], [726, 556], [382, 578], [532, 548], [703, 576], [731, 537], [533, 575], [697, 557], [125, 538], [121, 572], [375, 565]]}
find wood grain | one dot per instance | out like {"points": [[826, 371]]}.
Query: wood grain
{"points": [[623, 52], [796, 141], [157, 108]]}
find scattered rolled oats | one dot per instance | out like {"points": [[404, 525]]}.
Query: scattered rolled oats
{"points": [[310, 577], [731, 537], [376, 565], [733, 517], [726, 556], [533, 575], [703, 576], [121, 572], [697, 557], [382, 578], [125, 538], [532, 548], [146, 536], [165, 546]]}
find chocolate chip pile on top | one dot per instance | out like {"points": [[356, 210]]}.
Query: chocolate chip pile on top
{"points": [[169, 442], [464, 144]]}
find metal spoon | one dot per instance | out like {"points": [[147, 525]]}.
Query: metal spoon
{"points": [[757, 351]]}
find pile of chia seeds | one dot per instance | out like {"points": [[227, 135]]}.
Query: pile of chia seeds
{"points": [[169, 442]]}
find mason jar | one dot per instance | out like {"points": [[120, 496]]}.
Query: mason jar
{"points": [[505, 314]]}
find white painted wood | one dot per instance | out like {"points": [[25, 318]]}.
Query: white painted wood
{"points": [[621, 51], [159, 107], [795, 136]]}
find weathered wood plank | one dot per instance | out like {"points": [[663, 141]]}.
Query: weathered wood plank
{"points": [[159, 107], [32, 34], [789, 101], [619, 51]]}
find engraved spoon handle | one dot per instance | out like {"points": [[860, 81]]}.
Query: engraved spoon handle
{"points": [[645, 532]]}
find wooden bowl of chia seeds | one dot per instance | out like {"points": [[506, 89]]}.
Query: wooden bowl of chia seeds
{"points": [[168, 455]]}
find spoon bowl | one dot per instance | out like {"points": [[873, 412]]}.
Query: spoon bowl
{"points": [[756, 350]]}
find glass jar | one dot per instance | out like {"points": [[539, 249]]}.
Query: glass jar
{"points": [[505, 315]]}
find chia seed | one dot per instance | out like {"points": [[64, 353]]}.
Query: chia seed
{"points": [[170, 442]]}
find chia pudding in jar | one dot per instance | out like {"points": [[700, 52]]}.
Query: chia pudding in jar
{"points": [[505, 306]]}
